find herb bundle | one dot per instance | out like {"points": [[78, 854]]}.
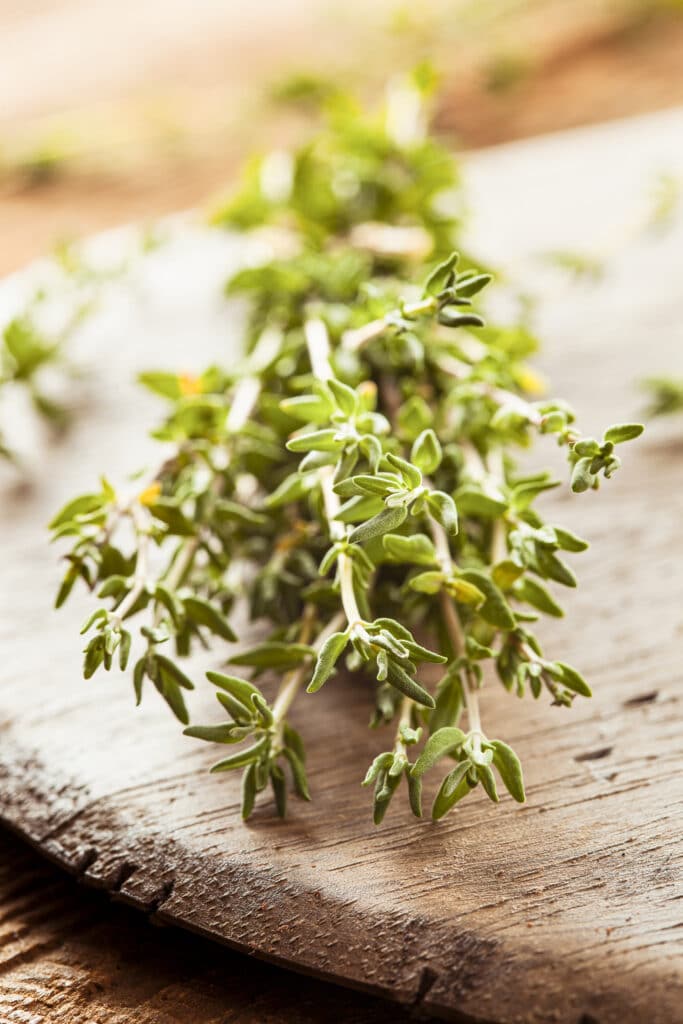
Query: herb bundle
{"points": [[353, 482]]}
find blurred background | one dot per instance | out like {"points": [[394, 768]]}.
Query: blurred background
{"points": [[118, 111]]}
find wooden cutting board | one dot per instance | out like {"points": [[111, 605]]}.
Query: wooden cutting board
{"points": [[70, 956], [567, 909]]}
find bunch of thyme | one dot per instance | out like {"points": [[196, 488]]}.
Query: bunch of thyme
{"points": [[353, 482]]}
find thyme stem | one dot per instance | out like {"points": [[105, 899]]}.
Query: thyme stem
{"points": [[294, 680], [499, 547], [455, 631], [403, 720], [244, 399], [318, 345], [141, 524]]}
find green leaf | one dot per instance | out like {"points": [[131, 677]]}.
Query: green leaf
{"points": [[124, 649], [232, 511], [279, 786], [211, 733], [505, 573], [265, 713], [476, 651], [441, 743], [100, 614], [408, 686], [380, 484], [473, 501], [587, 446], [248, 791], [315, 441], [240, 689], [495, 609], [138, 678], [66, 586], [298, 773], [84, 505], [170, 681], [582, 478], [465, 592], [414, 792], [487, 779], [174, 672], [114, 586], [394, 627], [292, 489], [555, 569], [572, 679], [453, 788], [242, 716], [274, 654], [622, 432], [448, 703], [293, 740], [509, 768], [173, 695], [308, 408], [94, 656], [473, 285], [168, 385], [386, 521], [411, 475], [427, 582], [242, 757], [381, 762], [357, 509], [345, 397], [417, 549], [330, 652], [205, 614], [442, 276], [384, 790], [419, 653], [452, 317], [414, 416], [426, 452], [168, 512], [442, 507], [170, 602], [569, 541], [536, 595]]}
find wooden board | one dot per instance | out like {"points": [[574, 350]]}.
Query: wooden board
{"points": [[567, 909], [69, 955]]}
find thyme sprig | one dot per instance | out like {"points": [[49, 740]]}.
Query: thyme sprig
{"points": [[354, 483], [35, 356], [31, 352]]}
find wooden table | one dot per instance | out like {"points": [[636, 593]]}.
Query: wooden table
{"points": [[69, 955], [567, 909]]}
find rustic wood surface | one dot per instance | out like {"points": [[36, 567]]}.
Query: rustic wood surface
{"points": [[70, 956], [566, 909]]}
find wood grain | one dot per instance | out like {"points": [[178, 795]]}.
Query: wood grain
{"points": [[567, 909], [70, 956]]}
